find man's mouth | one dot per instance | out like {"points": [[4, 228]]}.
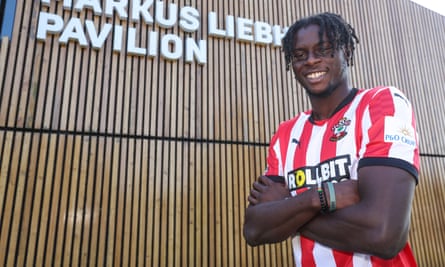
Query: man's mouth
{"points": [[315, 75]]}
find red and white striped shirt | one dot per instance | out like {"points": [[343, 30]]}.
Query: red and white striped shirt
{"points": [[371, 127]]}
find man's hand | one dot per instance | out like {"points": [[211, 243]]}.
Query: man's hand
{"points": [[265, 190]]}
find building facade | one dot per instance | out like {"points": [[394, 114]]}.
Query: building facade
{"points": [[130, 133]]}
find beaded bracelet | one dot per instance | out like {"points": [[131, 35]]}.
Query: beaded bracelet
{"points": [[322, 196], [323, 202]]}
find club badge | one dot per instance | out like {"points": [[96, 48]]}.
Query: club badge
{"points": [[340, 129]]}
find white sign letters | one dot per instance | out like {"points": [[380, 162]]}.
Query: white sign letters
{"points": [[169, 45]]}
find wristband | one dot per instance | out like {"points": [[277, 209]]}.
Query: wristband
{"points": [[332, 201]]}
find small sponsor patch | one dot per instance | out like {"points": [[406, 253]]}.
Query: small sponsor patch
{"points": [[398, 131]]}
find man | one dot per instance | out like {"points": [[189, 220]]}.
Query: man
{"points": [[350, 164]]}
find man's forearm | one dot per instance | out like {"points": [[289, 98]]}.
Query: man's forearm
{"points": [[351, 229], [275, 221]]}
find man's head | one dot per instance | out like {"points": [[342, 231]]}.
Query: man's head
{"points": [[338, 32], [319, 49]]}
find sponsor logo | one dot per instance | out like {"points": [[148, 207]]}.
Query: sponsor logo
{"points": [[335, 169], [340, 129], [397, 131]]}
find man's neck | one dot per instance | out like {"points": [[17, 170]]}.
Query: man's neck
{"points": [[324, 107]]}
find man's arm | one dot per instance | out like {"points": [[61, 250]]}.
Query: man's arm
{"points": [[378, 224], [273, 216], [275, 220]]}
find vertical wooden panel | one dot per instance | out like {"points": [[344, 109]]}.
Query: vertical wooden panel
{"points": [[4, 45], [115, 159]]}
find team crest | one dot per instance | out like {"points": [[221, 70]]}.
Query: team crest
{"points": [[340, 129]]}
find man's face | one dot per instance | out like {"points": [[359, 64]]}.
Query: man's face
{"points": [[318, 67]]}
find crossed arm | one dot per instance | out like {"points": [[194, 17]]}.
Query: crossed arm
{"points": [[372, 216]]}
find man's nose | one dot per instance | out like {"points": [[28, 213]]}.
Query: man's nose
{"points": [[312, 58]]}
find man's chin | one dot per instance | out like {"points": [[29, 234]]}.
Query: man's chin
{"points": [[320, 93]]}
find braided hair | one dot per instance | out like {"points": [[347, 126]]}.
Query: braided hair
{"points": [[338, 31]]}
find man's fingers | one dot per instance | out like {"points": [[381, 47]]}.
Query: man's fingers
{"points": [[258, 186], [254, 193], [265, 180], [252, 200]]}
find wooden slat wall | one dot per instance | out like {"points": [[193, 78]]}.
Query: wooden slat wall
{"points": [[110, 159]]}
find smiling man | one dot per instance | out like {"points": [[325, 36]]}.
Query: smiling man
{"points": [[340, 178]]}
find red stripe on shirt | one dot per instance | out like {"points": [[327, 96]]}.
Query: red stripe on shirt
{"points": [[382, 106], [304, 139], [307, 257]]}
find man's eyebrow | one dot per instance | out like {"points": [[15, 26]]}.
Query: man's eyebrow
{"points": [[297, 50], [325, 43]]}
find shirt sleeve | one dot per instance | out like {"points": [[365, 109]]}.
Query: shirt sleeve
{"points": [[389, 132], [273, 162]]}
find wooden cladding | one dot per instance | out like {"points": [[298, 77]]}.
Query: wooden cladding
{"points": [[115, 159], [84, 200]]}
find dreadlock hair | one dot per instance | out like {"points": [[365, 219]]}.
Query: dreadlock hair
{"points": [[338, 31]]}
